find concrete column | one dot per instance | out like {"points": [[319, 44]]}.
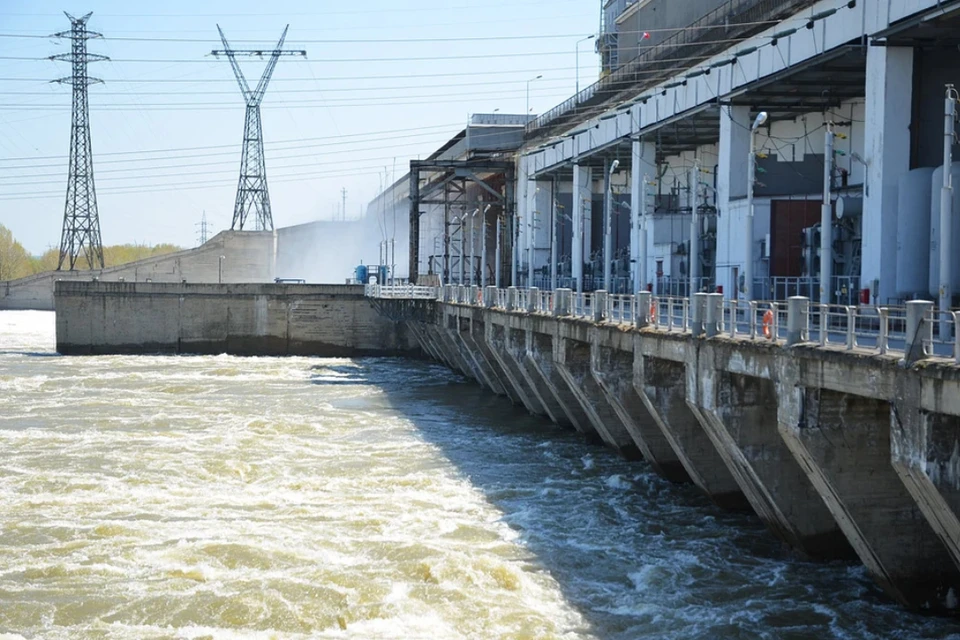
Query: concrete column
{"points": [[511, 298], [661, 384], [734, 150], [644, 169], [738, 411], [798, 311], [582, 204], [599, 306], [563, 302], [698, 310], [889, 108], [644, 300], [919, 330], [926, 428], [714, 314], [540, 355], [572, 360], [490, 297], [611, 363], [843, 443], [532, 299], [496, 337]]}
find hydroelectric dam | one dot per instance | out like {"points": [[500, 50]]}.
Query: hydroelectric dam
{"points": [[841, 433]]}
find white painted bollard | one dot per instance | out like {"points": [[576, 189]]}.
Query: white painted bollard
{"points": [[798, 312], [919, 330], [599, 305], [511, 298], [490, 297], [698, 308], [644, 305], [714, 314], [562, 301], [532, 297]]}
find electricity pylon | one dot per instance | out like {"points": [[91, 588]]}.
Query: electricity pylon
{"points": [[252, 193], [81, 222]]}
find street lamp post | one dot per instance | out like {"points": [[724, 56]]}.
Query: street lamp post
{"points": [[748, 231], [528, 90], [590, 37], [608, 226]]}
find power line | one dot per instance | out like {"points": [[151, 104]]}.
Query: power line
{"points": [[337, 41]]}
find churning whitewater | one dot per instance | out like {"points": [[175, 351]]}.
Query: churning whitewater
{"points": [[222, 497]]}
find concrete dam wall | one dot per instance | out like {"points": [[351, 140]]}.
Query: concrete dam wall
{"points": [[230, 256], [842, 455], [239, 319]]}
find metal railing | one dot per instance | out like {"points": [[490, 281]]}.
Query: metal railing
{"points": [[909, 331]]}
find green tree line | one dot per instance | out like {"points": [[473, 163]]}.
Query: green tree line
{"points": [[16, 262]]}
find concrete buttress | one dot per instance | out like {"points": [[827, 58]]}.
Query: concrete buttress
{"points": [[496, 336], [660, 379], [842, 441], [487, 374], [540, 354], [612, 369], [572, 360], [925, 443], [517, 353], [734, 395]]}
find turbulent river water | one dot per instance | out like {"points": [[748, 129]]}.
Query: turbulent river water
{"points": [[222, 497]]}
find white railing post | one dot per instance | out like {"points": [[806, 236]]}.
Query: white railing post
{"points": [[532, 295], [512, 294], [919, 330]]}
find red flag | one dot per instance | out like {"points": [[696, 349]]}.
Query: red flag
{"points": [[646, 36]]}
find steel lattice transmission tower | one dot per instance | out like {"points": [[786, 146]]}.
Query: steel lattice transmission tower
{"points": [[252, 192], [81, 222]]}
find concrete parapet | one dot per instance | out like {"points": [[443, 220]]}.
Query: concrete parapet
{"points": [[698, 310], [714, 314]]}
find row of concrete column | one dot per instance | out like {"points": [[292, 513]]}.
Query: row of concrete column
{"points": [[841, 456], [888, 98]]}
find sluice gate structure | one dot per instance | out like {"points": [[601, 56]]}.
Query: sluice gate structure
{"points": [[840, 428]]}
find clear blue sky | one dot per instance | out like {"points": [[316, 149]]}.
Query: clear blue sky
{"points": [[413, 70]]}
